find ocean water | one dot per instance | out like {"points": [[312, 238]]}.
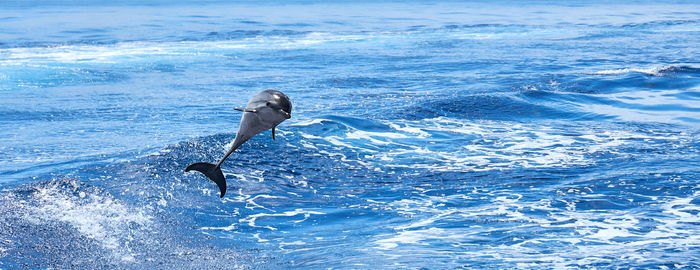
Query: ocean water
{"points": [[424, 134]]}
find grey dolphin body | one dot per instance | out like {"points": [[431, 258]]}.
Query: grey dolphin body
{"points": [[264, 111]]}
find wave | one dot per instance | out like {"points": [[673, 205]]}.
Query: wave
{"points": [[658, 71], [92, 225], [586, 237], [449, 144], [660, 23], [66, 210], [130, 51], [664, 100], [492, 106], [425, 175], [201, 44]]}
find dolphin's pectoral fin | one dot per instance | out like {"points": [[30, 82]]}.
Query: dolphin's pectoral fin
{"points": [[245, 110], [213, 172], [273, 133]]}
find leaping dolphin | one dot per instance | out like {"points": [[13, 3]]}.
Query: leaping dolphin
{"points": [[264, 111]]}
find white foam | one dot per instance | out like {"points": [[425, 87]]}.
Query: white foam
{"points": [[308, 123], [485, 145], [146, 51], [596, 236], [414, 130], [252, 219], [371, 136], [225, 228], [414, 237], [4, 247], [97, 217], [652, 71]]}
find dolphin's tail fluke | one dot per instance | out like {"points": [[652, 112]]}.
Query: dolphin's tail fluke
{"points": [[213, 172]]}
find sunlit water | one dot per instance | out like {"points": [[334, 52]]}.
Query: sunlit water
{"points": [[424, 135]]}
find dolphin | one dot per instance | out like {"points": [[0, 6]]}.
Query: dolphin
{"points": [[264, 111]]}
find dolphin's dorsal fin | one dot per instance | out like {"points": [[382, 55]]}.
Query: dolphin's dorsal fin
{"points": [[245, 110], [273, 133]]}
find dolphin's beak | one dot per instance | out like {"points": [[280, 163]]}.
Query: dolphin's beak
{"points": [[286, 114]]}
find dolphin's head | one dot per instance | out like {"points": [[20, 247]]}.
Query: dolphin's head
{"points": [[279, 102]]}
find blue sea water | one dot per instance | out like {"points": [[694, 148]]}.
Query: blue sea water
{"points": [[424, 134]]}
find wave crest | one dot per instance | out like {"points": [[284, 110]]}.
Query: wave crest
{"points": [[651, 71]]}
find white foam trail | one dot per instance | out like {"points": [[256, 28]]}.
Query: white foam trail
{"points": [[475, 146], [225, 228], [415, 237], [5, 245], [142, 50], [98, 217], [652, 71], [308, 122], [595, 235], [252, 219]]}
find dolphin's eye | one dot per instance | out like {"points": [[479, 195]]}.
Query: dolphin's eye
{"points": [[268, 104]]}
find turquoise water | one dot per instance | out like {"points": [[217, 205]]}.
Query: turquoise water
{"points": [[433, 135]]}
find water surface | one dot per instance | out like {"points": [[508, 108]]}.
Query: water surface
{"points": [[431, 135]]}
